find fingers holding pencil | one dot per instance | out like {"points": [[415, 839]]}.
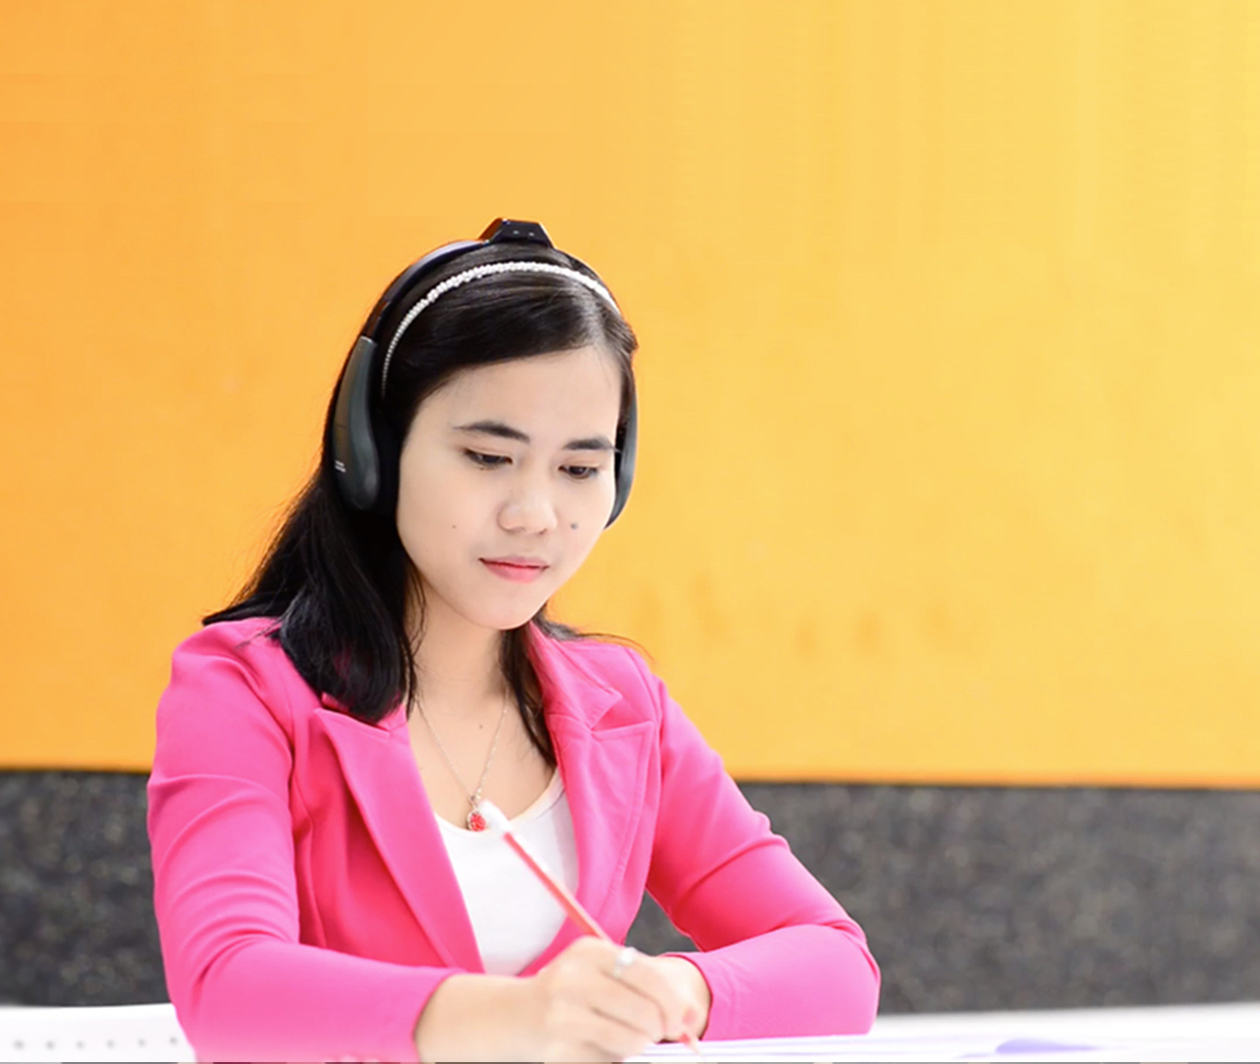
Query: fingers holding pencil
{"points": [[585, 1012], [672, 984]]}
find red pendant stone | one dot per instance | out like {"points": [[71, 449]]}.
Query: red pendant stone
{"points": [[476, 822]]}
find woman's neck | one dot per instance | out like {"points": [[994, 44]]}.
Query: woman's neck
{"points": [[459, 669]]}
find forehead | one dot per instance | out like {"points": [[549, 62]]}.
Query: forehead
{"points": [[561, 389]]}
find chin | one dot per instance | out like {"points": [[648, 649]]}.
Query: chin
{"points": [[505, 622]]}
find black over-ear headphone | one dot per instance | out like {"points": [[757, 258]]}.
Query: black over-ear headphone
{"points": [[365, 460]]}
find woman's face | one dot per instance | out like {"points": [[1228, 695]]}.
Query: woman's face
{"points": [[534, 480]]}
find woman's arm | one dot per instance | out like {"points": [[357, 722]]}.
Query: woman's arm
{"points": [[225, 894], [778, 952]]}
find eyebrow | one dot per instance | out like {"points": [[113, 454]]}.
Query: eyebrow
{"points": [[498, 428]]}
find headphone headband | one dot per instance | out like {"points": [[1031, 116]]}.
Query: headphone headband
{"points": [[514, 266]]}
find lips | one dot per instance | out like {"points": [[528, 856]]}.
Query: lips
{"points": [[513, 571]]}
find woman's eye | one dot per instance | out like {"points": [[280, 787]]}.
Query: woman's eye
{"points": [[486, 461], [493, 461]]}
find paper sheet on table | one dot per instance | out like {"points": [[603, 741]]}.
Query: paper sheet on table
{"points": [[963, 1047], [850, 1047]]}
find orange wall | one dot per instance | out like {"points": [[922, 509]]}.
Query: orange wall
{"points": [[949, 464]]}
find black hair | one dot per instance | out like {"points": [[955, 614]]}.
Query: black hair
{"points": [[336, 580]]}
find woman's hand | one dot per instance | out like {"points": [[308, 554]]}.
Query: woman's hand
{"points": [[584, 1005], [687, 976], [584, 1011]]}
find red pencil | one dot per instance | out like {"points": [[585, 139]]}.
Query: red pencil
{"points": [[495, 818]]}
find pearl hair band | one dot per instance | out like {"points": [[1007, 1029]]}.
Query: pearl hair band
{"points": [[515, 266]]}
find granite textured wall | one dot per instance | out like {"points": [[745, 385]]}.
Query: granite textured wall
{"points": [[972, 898]]}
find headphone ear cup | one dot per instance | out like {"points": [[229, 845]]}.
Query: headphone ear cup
{"points": [[387, 463], [625, 456], [356, 458]]}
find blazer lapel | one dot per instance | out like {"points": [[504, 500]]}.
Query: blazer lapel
{"points": [[603, 764], [380, 771]]}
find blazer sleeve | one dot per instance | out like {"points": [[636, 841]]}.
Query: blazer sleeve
{"points": [[780, 955], [225, 897]]}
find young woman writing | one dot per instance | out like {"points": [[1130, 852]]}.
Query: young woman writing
{"points": [[322, 888]]}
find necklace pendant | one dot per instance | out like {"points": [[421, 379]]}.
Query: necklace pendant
{"points": [[476, 822]]}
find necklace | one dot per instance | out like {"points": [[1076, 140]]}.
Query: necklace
{"points": [[475, 821]]}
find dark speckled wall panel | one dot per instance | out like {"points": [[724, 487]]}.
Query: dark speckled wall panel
{"points": [[995, 898], [973, 898], [76, 891]]}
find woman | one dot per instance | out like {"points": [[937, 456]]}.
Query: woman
{"points": [[322, 889]]}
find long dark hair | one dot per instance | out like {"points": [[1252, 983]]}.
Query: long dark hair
{"points": [[336, 580]]}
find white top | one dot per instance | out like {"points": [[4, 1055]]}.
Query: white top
{"points": [[513, 917]]}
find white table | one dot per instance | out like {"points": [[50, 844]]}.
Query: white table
{"points": [[1156, 1033]]}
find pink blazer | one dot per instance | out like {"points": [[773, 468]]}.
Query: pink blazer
{"points": [[307, 908]]}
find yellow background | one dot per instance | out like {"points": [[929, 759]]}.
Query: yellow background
{"points": [[949, 462]]}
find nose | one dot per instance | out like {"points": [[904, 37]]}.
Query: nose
{"points": [[529, 508]]}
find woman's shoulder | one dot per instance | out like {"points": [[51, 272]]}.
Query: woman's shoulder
{"points": [[233, 703], [249, 638], [243, 653], [615, 665], [597, 653]]}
